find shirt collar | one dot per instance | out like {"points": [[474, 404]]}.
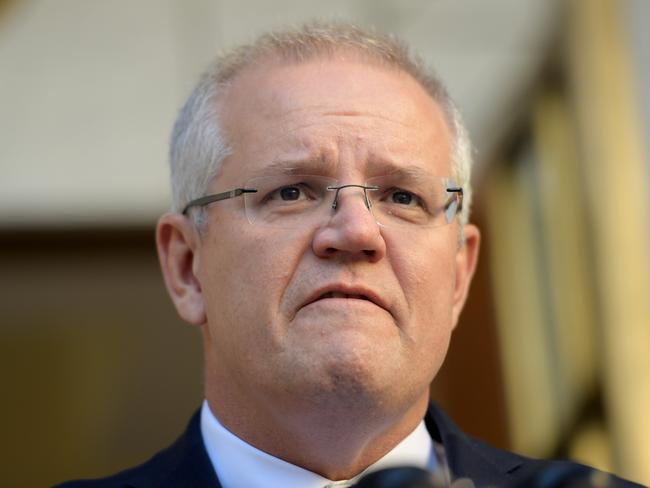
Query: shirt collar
{"points": [[239, 464]]}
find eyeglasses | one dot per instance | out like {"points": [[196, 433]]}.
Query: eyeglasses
{"points": [[292, 201]]}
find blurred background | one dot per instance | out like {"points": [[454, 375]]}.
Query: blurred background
{"points": [[552, 356]]}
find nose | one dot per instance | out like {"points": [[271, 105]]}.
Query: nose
{"points": [[351, 230]]}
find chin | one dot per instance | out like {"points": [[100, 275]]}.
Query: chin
{"points": [[357, 377], [355, 367]]}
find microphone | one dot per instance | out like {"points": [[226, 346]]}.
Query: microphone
{"points": [[549, 475], [402, 477]]}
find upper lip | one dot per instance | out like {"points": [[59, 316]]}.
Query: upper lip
{"points": [[353, 290]]}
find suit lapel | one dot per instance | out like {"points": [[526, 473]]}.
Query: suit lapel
{"points": [[470, 458], [183, 464]]}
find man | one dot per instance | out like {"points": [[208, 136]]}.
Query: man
{"points": [[320, 241]]}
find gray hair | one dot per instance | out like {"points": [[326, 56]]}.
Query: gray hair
{"points": [[199, 145]]}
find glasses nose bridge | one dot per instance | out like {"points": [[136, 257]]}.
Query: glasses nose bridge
{"points": [[364, 190]]}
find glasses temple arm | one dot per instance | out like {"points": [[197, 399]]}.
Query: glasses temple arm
{"points": [[199, 202]]}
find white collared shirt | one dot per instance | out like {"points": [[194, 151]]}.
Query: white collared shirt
{"points": [[240, 465]]}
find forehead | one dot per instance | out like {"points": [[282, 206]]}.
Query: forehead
{"points": [[333, 111]]}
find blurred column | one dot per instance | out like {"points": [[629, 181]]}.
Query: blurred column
{"points": [[609, 120]]}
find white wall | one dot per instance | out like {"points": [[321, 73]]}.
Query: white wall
{"points": [[638, 11], [89, 89]]}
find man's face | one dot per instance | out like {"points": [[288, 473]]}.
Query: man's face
{"points": [[344, 309]]}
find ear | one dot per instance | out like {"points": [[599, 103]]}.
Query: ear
{"points": [[466, 259], [178, 242]]}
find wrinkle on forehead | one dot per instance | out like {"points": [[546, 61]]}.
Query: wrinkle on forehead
{"points": [[345, 116], [344, 113], [321, 164]]}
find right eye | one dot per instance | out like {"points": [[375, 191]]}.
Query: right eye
{"points": [[290, 193]]}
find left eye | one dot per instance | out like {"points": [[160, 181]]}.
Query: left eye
{"points": [[403, 197], [290, 193]]}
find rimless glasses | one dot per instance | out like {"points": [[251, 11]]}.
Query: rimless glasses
{"points": [[291, 201]]}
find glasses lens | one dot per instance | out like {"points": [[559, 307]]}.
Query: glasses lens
{"points": [[288, 201], [414, 202]]}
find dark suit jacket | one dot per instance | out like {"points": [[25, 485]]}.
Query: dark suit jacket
{"points": [[186, 463]]}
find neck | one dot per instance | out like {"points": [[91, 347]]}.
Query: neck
{"points": [[335, 439]]}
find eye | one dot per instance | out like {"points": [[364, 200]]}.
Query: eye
{"points": [[295, 192], [289, 193], [404, 198]]}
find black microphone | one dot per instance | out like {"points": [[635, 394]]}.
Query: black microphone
{"points": [[402, 477]]}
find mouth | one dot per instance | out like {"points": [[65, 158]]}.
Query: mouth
{"points": [[349, 293], [338, 294]]}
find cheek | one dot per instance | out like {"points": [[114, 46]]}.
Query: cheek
{"points": [[426, 273], [243, 280], [433, 279]]}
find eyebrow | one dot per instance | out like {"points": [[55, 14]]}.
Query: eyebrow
{"points": [[319, 166], [408, 171]]}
